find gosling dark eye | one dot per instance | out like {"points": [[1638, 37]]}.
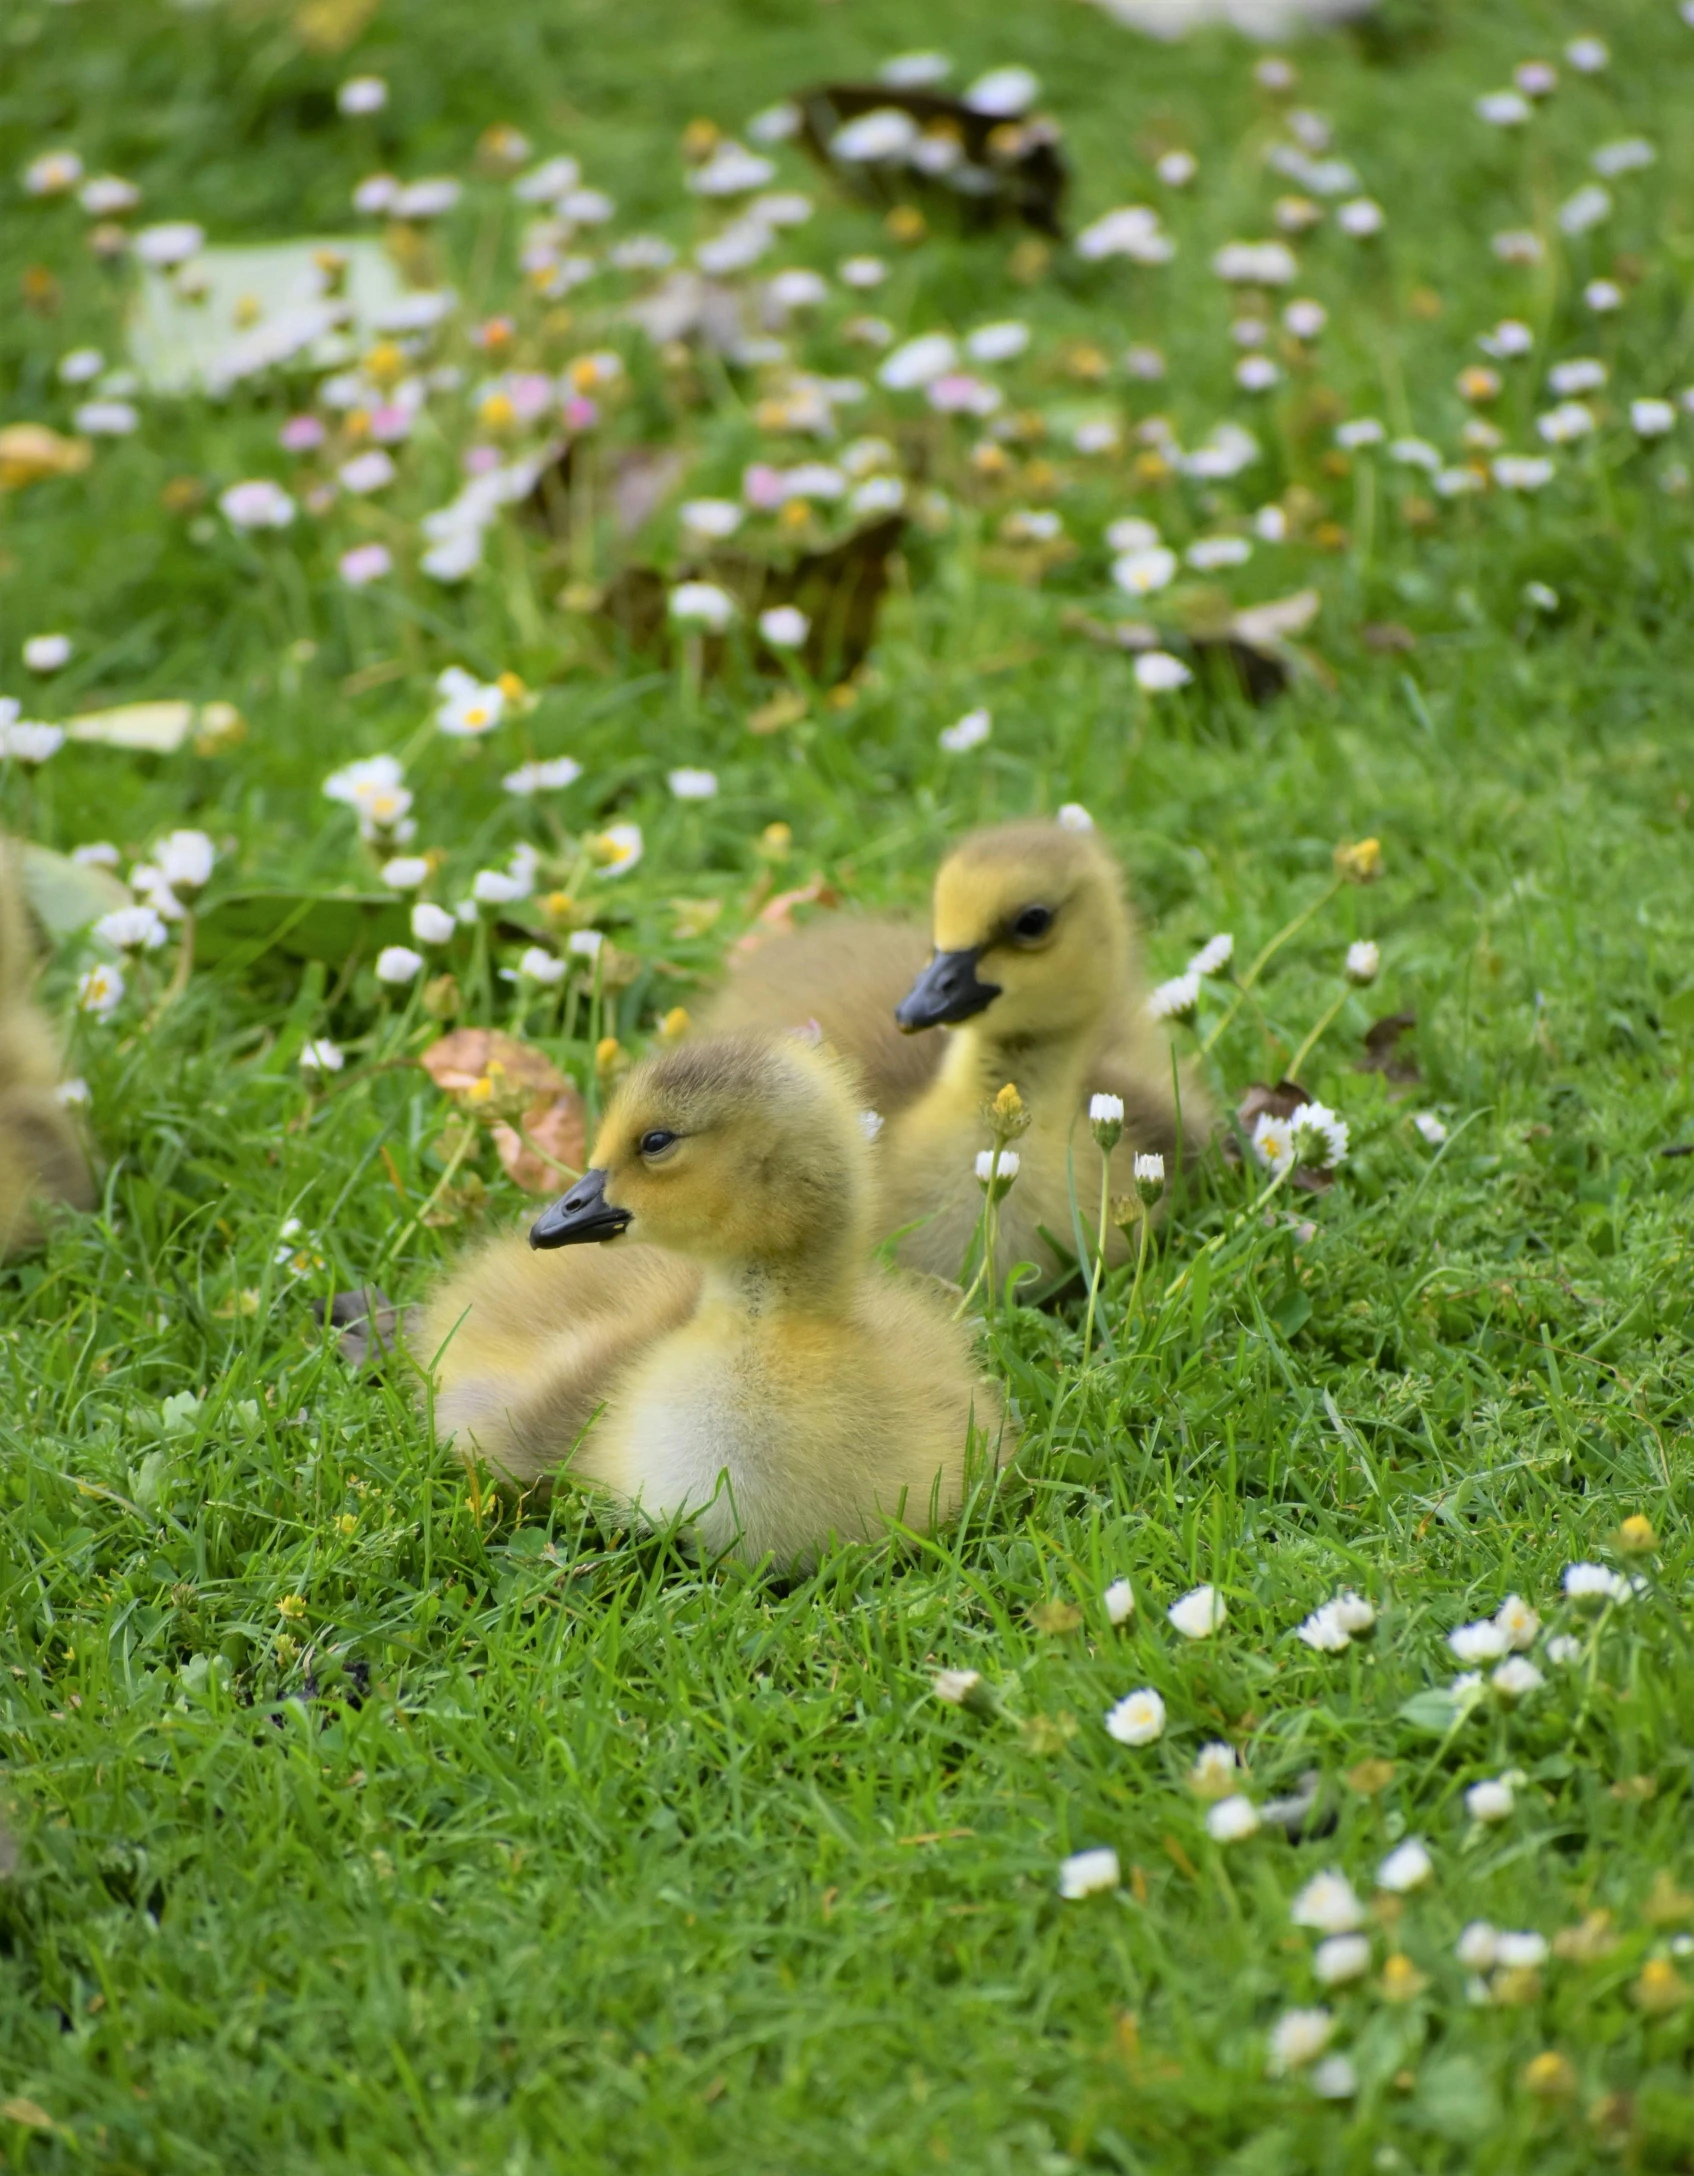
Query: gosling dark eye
{"points": [[656, 1142], [1031, 923]]}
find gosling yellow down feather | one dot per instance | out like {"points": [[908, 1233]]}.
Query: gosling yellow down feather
{"points": [[807, 1394], [1035, 979], [525, 1345], [41, 1158]]}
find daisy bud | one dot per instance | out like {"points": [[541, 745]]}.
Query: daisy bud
{"points": [[1119, 1600], [1007, 1115], [1105, 1119], [1363, 961], [441, 998], [1177, 999], [1636, 1535], [1149, 1176], [995, 1171], [1361, 862], [319, 1059], [964, 1689]]}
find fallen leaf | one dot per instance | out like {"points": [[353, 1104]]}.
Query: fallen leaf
{"points": [[640, 481], [29, 2113], [1387, 637], [1382, 1049], [1258, 642], [1587, 1942], [1056, 1618], [839, 588], [776, 916], [1667, 1905], [157, 729], [787, 707], [1046, 1735], [688, 306], [331, 26], [1282, 1101], [31, 453], [65, 895], [368, 1324], [695, 916], [1369, 1777], [1008, 169], [462, 1058], [1299, 1814], [560, 1129]]}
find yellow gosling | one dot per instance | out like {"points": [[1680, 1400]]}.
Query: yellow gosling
{"points": [[41, 1157], [810, 1395], [525, 1346], [1035, 977]]}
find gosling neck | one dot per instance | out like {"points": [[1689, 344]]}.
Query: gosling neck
{"points": [[814, 1278], [1046, 1070]]}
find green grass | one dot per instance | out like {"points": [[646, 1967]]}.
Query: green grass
{"points": [[628, 1863]]}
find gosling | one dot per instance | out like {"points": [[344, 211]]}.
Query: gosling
{"points": [[809, 1395], [41, 1157], [525, 1346], [1035, 972]]}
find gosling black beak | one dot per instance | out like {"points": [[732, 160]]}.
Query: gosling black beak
{"points": [[585, 1214], [949, 989]]}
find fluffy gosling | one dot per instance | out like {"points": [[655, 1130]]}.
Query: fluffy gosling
{"points": [[809, 1394], [525, 1346], [41, 1157], [1035, 974]]}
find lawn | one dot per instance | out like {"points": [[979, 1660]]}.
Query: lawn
{"points": [[355, 1822]]}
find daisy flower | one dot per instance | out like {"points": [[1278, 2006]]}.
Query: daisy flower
{"points": [[1158, 673], [397, 964], [100, 991], [1088, 1873], [1328, 1904], [1297, 2038], [1198, 1614], [1138, 1718], [702, 604]]}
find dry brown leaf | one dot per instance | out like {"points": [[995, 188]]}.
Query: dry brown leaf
{"points": [[29, 2113], [461, 1059], [559, 1130], [152, 728], [330, 26], [1587, 1942], [776, 916], [1055, 1617], [31, 452]]}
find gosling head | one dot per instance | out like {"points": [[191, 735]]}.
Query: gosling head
{"points": [[1029, 921], [732, 1149]]}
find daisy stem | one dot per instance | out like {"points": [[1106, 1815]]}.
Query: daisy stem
{"points": [[987, 1227], [1305, 1050], [1291, 929], [1140, 1267], [1099, 1256]]}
